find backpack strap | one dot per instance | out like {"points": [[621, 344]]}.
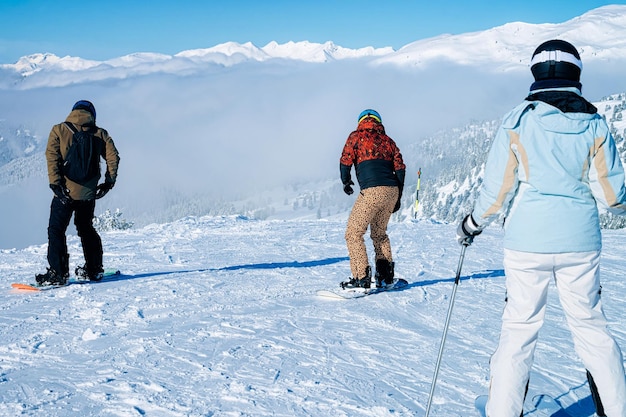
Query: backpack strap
{"points": [[71, 127], [99, 146], [91, 129]]}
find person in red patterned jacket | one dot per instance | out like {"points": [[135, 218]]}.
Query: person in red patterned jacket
{"points": [[380, 173]]}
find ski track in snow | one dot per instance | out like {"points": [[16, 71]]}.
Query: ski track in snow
{"points": [[217, 316]]}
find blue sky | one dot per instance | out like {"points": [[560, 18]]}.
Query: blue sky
{"points": [[112, 28]]}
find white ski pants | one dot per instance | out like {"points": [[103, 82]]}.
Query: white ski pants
{"points": [[577, 278]]}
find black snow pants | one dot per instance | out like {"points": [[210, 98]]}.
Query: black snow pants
{"points": [[60, 215]]}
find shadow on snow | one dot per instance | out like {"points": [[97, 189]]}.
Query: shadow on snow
{"points": [[490, 273], [493, 273], [260, 266]]}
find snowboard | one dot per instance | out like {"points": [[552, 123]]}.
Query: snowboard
{"points": [[543, 406], [350, 293], [108, 273]]}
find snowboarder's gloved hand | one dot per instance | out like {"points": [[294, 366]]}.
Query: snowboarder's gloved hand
{"points": [[62, 193], [467, 230], [347, 187], [103, 188], [397, 206]]}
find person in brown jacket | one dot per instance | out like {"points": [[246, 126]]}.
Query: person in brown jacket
{"points": [[77, 196], [380, 173]]}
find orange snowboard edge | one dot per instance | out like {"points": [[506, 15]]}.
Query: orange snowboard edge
{"points": [[26, 287]]}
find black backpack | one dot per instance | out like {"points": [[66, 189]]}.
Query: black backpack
{"points": [[82, 162]]}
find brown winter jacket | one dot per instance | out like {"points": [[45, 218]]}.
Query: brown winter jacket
{"points": [[59, 142]]}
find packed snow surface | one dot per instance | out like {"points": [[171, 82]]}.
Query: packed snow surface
{"points": [[218, 316]]}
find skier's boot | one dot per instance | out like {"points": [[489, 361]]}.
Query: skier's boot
{"points": [[384, 273], [51, 277]]}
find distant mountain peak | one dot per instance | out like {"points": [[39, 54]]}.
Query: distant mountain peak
{"points": [[227, 53], [599, 34]]}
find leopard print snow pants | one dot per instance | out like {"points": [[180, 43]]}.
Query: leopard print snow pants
{"points": [[373, 208]]}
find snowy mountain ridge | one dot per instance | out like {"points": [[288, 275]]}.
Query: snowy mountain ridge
{"points": [[226, 54], [600, 34]]}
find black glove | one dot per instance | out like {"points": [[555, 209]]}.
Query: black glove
{"points": [[397, 206], [347, 187], [103, 188], [467, 230], [62, 193]]}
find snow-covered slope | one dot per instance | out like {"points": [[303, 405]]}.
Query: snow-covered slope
{"points": [[16, 142], [598, 34], [217, 316], [452, 163]]}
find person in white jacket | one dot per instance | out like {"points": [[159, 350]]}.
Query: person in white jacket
{"points": [[552, 162]]}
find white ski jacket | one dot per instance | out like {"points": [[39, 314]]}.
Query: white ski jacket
{"points": [[547, 171]]}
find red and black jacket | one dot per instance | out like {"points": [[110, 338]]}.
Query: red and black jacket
{"points": [[375, 156]]}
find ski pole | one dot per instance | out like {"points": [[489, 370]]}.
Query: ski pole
{"points": [[446, 325], [417, 193]]}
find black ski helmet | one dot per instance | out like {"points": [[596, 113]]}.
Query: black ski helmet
{"points": [[556, 59]]}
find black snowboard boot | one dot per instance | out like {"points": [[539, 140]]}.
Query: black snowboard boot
{"points": [[83, 273], [51, 278], [365, 282], [384, 273]]}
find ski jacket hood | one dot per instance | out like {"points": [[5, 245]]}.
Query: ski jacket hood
{"points": [[372, 125], [59, 141], [547, 172]]}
